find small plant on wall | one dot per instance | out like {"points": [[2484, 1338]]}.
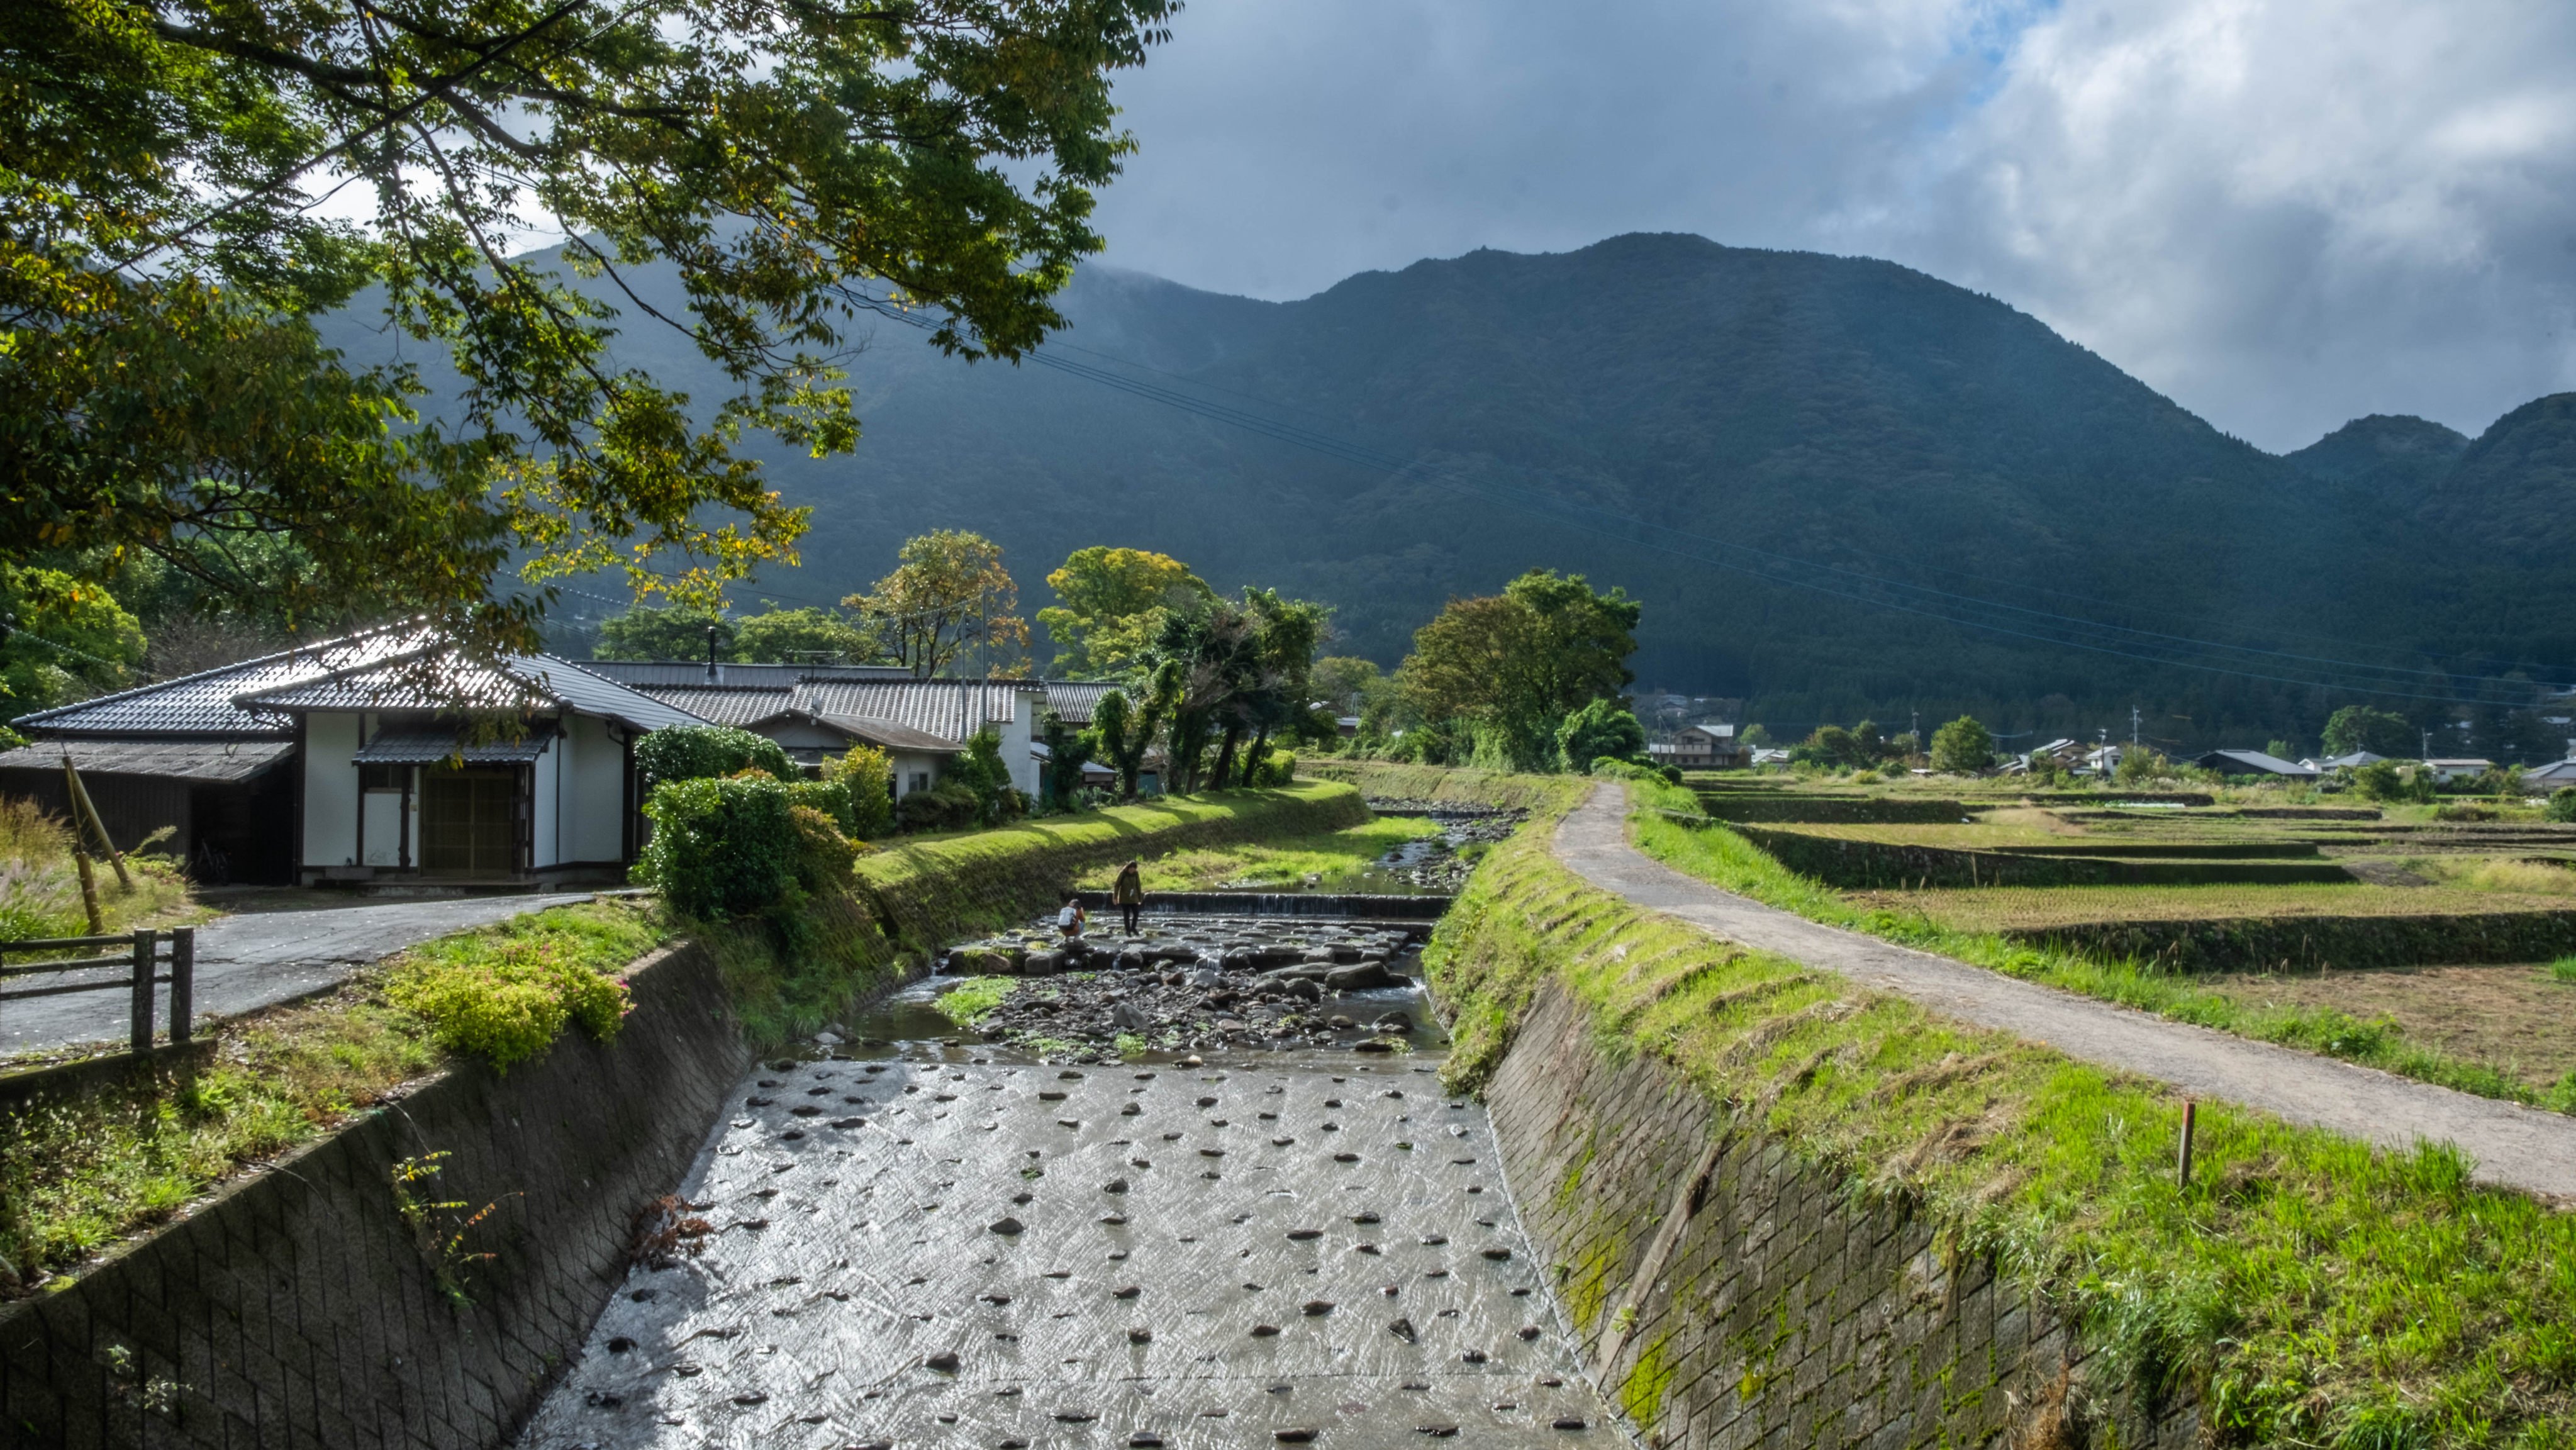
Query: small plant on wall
{"points": [[439, 1227]]}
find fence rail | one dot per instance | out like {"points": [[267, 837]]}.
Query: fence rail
{"points": [[145, 953]]}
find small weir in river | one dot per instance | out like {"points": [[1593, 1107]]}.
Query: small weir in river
{"points": [[1213, 1196]]}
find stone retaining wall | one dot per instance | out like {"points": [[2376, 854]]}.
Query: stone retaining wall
{"points": [[298, 1308], [1726, 1295]]}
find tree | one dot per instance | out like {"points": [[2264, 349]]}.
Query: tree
{"points": [[666, 632], [949, 593], [801, 636], [1602, 727], [1123, 731], [61, 639], [789, 167], [1112, 605], [869, 774], [1962, 747], [2359, 727], [1068, 751], [1511, 667]]}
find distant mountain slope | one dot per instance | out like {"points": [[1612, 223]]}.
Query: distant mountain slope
{"points": [[2394, 457], [2514, 489], [1684, 418]]}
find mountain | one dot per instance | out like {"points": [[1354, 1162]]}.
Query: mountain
{"points": [[2397, 458], [1808, 467], [2513, 491]]}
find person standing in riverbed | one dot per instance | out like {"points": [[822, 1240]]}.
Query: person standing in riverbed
{"points": [[1128, 895]]}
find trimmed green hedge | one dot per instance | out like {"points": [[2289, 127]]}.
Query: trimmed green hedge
{"points": [[695, 752]]}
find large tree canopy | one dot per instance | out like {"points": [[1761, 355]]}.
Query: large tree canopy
{"points": [[1510, 667], [1113, 602], [796, 162], [950, 593]]}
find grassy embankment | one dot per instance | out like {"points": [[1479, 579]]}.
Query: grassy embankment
{"points": [[1716, 854], [906, 902], [79, 1174], [40, 892], [2315, 1292], [1335, 859]]}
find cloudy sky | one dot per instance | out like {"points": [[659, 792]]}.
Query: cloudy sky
{"points": [[2283, 213]]}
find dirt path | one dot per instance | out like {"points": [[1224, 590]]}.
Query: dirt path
{"points": [[2513, 1146]]}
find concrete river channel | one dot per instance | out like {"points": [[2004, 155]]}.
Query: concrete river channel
{"points": [[1268, 1227]]}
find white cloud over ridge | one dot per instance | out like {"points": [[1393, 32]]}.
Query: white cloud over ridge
{"points": [[2284, 213]]}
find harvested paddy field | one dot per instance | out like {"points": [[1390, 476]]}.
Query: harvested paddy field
{"points": [[2518, 1018]]}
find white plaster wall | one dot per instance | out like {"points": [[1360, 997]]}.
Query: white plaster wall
{"points": [[548, 803], [1016, 735], [330, 789], [595, 791]]}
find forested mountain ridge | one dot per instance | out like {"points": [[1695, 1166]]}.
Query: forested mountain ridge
{"points": [[1695, 422]]}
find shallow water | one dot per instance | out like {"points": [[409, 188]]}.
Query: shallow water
{"points": [[923, 1239]]}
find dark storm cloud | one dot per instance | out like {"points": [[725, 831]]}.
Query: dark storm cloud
{"points": [[2282, 214]]}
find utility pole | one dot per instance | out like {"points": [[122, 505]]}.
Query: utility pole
{"points": [[2428, 745], [2133, 727]]}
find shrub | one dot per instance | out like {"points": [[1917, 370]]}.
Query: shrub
{"points": [[831, 797], [2139, 766], [721, 847], [1962, 747], [2381, 780], [1603, 727], [869, 774], [2562, 803], [505, 1000], [1618, 769], [696, 752], [1279, 767], [947, 806], [823, 855]]}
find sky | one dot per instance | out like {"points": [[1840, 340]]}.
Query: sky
{"points": [[2284, 214]]}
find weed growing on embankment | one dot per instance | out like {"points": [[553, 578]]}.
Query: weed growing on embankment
{"points": [[2314, 1291]]}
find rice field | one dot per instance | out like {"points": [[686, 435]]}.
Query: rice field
{"points": [[2026, 908]]}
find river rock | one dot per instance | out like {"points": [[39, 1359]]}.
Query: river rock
{"points": [[1358, 977]]}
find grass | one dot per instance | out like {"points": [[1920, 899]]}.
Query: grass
{"points": [[2313, 1291], [2564, 970], [1719, 856], [1334, 857], [2023, 908], [82, 1172], [974, 999], [40, 888], [502, 993]]}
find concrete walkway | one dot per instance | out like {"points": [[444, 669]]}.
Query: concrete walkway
{"points": [[2513, 1146], [256, 960]]}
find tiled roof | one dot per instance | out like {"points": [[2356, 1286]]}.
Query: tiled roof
{"points": [[428, 747], [448, 680], [661, 674], [950, 709], [214, 760], [722, 706], [1074, 700], [886, 733], [201, 704]]}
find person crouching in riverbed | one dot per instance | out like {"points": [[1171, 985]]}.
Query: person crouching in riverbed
{"points": [[1129, 894], [1070, 921]]}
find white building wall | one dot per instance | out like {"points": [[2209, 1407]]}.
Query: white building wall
{"points": [[331, 789], [595, 791], [1017, 732], [547, 797]]}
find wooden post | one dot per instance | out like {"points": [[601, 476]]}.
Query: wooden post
{"points": [[83, 811], [89, 892], [2190, 1112], [143, 963], [183, 982]]}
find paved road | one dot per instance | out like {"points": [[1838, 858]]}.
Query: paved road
{"points": [[1270, 1250], [254, 960], [2513, 1146]]}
